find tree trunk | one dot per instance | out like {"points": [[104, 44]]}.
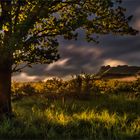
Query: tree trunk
{"points": [[5, 90]]}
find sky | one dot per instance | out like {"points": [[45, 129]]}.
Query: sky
{"points": [[80, 56]]}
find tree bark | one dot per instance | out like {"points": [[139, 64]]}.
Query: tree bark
{"points": [[5, 90]]}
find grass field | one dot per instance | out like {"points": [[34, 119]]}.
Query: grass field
{"points": [[108, 115]]}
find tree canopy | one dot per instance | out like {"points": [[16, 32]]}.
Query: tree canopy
{"points": [[30, 28], [29, 31]]}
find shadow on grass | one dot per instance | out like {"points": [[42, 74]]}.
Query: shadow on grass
{"points": [[81, 129], [113, 103], [118, 104]]}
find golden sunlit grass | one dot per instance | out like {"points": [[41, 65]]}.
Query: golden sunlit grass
{"points": [[110, 111], [38, 117]]}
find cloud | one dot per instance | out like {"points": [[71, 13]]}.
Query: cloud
{"points": [[59, 63], [137, 24], [24, 77]]}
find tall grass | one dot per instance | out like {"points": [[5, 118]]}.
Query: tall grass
{"points": [[100, 118], [111, 111]]}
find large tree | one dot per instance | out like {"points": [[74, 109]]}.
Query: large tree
{"points": [[29, 30]]}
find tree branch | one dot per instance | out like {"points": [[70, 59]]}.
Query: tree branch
{"points": [[16, 69]]}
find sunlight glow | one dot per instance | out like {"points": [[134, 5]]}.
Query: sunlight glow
{"points": [[113, 62], [24, 77]]}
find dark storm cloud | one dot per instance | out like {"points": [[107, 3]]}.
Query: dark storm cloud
{"points": [[117, 47], [77, 56], [74, 60]]}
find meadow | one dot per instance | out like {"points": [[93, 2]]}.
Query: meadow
{"points": [[81, 108]]}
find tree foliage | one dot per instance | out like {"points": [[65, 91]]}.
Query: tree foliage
{"points": [[30, 28]]}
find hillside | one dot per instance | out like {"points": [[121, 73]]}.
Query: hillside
{"points": [[118, 71]]}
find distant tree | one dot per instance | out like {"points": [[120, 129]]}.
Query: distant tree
{"points": [[29, 31]]}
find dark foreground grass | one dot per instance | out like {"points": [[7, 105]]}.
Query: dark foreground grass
{"points": [[102, 117]]}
